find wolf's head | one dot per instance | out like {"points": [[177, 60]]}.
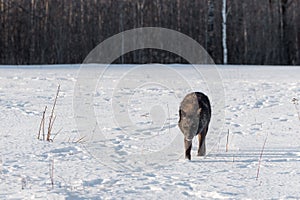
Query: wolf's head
{"points": [[189, 115]]}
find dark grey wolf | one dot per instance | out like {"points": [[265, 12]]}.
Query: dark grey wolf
{"points": [[194, 118]]}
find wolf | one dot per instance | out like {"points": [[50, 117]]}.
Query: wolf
{"points": [[194, 118]]}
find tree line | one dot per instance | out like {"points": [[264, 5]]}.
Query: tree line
{"points": [[65, 31]]}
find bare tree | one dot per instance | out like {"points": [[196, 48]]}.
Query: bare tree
{"points": [[224, 34]]}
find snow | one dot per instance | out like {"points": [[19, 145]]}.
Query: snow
{"points": [[258, 106]]}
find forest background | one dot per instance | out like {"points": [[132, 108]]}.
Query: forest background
{"points": [[261, 32]]}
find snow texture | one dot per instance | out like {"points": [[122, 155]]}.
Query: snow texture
{"points": [[258, 104]]}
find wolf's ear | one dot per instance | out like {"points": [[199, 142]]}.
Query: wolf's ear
{"points": [[199, 111]]}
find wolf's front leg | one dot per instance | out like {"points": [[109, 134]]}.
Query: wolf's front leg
{"points": [[188, 148]]}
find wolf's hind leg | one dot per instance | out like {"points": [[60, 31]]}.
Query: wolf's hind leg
{"points": [[201, 139]]}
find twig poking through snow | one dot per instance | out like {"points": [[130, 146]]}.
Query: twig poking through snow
{"points": [[260, 157], [23, 182], [51, 170]]}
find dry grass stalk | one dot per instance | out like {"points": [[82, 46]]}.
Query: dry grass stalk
{"points": [[52, 117], [56, 134], [1, 165], [227, 142], [260, 157], [80, 139], [169, 119], [42, 124]]}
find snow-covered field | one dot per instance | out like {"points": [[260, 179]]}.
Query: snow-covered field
{"points": [[144, 160]]}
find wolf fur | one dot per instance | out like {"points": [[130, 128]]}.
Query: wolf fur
{"points": [[194, 118]]}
